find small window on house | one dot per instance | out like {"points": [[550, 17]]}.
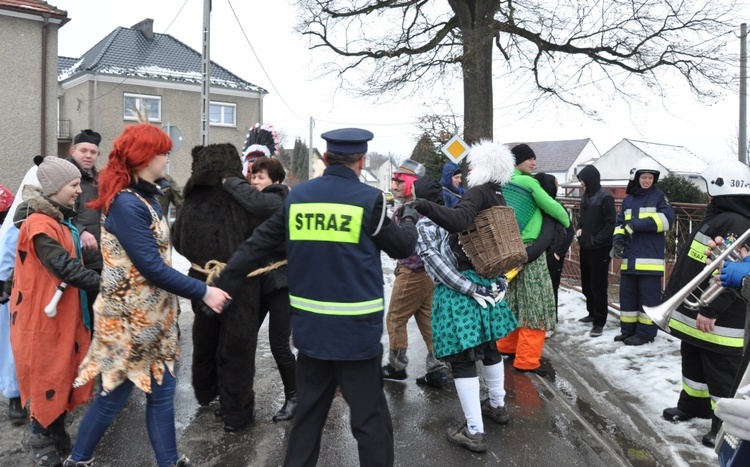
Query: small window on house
{"points": [[141, 107], [223, 114]]}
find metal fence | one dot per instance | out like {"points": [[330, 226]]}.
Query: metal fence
{"points": [[687, 216]]}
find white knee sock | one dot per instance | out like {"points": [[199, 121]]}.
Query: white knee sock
{"points": [[495, 376], [468, 394]]}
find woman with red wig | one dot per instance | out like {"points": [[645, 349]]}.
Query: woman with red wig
{"points": [[135, 343]]}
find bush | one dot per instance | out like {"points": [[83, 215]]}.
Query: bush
{"points": [[680, 190]]}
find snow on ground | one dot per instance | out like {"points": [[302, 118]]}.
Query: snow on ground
{"points": [[649, 374]]}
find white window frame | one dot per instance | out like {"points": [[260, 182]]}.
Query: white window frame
{"points": [[139, 100], [223, 105]]}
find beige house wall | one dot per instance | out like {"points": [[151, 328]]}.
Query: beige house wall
{"points": [[20, 99], [180, 107]]}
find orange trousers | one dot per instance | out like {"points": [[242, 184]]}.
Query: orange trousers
{"points": [[527, 344]]}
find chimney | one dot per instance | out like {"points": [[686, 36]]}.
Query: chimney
{"points": [[146, 27]]}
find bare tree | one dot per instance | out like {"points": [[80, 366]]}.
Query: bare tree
{"points": [[569, 49]]}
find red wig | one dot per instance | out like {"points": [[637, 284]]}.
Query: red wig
{"points": [[132, 150]]}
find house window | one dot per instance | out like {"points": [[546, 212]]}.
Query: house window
{"points": [[141, 107], [223, 114]]}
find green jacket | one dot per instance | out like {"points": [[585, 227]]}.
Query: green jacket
{"points": [[544, 202]]}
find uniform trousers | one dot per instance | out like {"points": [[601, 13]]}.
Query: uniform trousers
{"points": [[361, 385], [706, 376]]}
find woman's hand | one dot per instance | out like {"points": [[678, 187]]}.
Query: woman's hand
{"points": [[216, 299]]}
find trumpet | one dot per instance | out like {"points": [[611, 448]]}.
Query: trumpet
{"points": [[661, 314]]}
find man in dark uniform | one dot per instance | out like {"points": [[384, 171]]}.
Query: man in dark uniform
{"points": [[84, 153], [335, 228]]}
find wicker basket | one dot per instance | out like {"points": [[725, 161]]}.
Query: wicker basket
{"points": [[493, 242]]}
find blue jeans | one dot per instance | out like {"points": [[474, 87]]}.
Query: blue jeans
{"points": [[159, 420]]}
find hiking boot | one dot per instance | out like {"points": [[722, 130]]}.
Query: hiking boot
{"points": [[637, 340], [540, 370], [183, 461], [16, 413], [436, 379], [62, 440], [71, 463], [286, 412], [389, 372], [709, 439], [461, 437], [586, 319], [621, 337], [497, 414], [596, 331], [42, 450], [674, 415]]}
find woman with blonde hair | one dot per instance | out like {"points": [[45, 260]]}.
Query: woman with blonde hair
{"points": [[135, 314]]}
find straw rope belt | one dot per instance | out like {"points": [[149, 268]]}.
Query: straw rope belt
{"points": [[213, 268]]}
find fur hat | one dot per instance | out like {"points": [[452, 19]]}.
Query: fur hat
{"points": [[522, 152], [88, 136], [54, 173], [489, 162]]}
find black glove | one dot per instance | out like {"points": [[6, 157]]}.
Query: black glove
{"points": [[421, 205], [617, 250], [409, 211]]}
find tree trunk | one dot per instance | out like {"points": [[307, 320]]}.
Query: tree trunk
{"points": [[475, 18]]}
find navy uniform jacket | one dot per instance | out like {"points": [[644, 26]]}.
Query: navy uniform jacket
{"points": [[728, 217], [335, 227], [645, 217]]}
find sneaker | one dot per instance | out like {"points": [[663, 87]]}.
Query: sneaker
{"points": [[16, 413], [71, 463], [461, 437], [549, 334], [389, 372], [42, 450], [497, 414], [586, 319], [596, 331], [673, 414], [637, 340], [621, 337], [437, 379]]}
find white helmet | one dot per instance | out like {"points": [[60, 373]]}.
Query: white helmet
{"points": [[727, 177], [645, 164]]}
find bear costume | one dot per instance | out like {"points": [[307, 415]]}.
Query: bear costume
{"points": [[211, 225]]}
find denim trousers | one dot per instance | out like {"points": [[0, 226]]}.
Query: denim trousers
{"points": [[159, 420]]}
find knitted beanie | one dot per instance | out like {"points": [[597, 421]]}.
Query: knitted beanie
{"points": [[54, 173], [522, 152]]}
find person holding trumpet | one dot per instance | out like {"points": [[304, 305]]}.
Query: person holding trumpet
{"points": [[711, 330], [50, 338]]}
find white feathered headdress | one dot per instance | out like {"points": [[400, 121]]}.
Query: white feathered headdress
{"points": [[490, 162]]}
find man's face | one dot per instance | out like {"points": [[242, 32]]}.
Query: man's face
{"points": [[397, 187], [85, 155], [527, 166]]}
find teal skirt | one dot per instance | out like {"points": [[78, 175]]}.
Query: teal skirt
{"points": [[459, 323]]}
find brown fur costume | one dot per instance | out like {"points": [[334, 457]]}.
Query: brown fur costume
{"points": [[211, 225]]}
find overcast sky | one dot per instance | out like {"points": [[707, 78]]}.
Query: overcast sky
{"points": [[294, 96]]}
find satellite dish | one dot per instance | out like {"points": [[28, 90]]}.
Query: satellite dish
{"points": [[175, 134]]}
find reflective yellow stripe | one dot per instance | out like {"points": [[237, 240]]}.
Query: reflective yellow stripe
{"points": [[736, 342], [628, 316], [644, 319], [644, 264], [337, 308], [655, 217], [694, 391], [619, 230], [325, 222]]}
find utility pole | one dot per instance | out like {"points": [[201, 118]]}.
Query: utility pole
{"points": [[206, 72], [310, 149], [742, 156]]}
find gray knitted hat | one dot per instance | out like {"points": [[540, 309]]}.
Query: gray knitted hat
{"points": [[54, 173]]}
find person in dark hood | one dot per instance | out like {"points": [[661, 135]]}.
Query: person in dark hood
{"points": [[712, 336], [594, 231], [639, 241], [451, 182]]}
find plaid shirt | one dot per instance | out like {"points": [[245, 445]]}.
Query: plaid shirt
{"points": [[434, 248]]}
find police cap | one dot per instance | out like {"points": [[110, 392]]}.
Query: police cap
{"points": [[347, 140]]}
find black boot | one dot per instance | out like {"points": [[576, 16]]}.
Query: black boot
{"points": [[16, 413], [286, 412], [709, 439], [61, 437]]}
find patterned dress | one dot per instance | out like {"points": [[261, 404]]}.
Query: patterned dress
{"points": [[135, 321]]}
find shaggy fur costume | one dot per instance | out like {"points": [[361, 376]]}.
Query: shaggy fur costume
{"points": [[490, 162], [211, 225]]}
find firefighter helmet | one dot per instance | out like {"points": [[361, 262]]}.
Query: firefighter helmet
{"points": [[726, 178], [645, 164]]}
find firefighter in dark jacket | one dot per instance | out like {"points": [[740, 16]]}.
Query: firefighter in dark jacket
{"points": [[644, 218], [335, 228], [83, 154], [712, 336], [594, 231]]}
